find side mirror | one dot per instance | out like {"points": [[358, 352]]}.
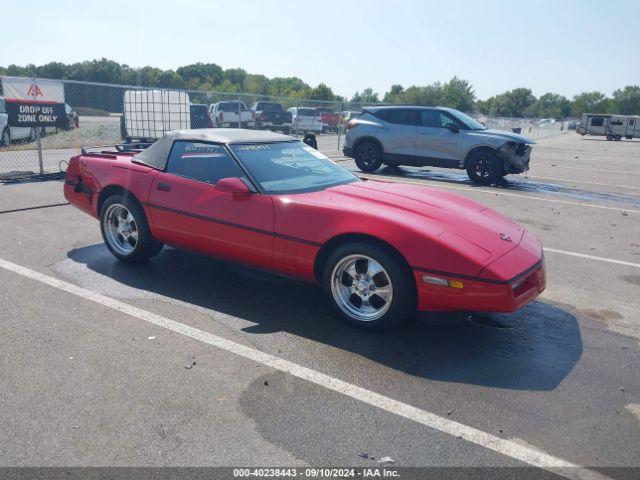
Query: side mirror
{"points": [[453, 127], [233, 185]]}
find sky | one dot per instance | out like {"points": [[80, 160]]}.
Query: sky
{"points": [[562, 46]]}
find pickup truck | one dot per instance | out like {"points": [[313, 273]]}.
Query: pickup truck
{"points": [[270, 116], [199, 114], [305, 119], [330, 119], [225, 114]]}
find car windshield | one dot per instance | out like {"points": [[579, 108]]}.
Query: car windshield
{"points": [[291, 167], [467, 120]]}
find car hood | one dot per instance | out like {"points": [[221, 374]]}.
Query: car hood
{"points": [[502, 135], [463, 225]]}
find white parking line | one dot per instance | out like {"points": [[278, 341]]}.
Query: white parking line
{"points": [[529, 455], [593, 257], [583, 181], [493, 192]]}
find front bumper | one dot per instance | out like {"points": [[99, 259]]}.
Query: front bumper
{"points": [[504, 285], [516, 159], [481, 295]]}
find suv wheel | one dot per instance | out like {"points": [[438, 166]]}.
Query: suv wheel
{"points": [[369, 286], [6, 138], [368, 156], [483, 167]]}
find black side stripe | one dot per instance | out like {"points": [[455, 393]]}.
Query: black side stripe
{"points": [[478, 279], [235, 225], [319, 244]]}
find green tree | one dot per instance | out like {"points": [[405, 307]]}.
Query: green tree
{"points": [[458, 94], [169, 79], [367, 96], [589, 102], [626, 101], [551, 105], [236, 76], [255, 84], [514, 103], [430, 95], [394, 95], [322, 92], [201, 73]]}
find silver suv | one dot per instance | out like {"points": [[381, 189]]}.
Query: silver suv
{"points": [[434, 136]]}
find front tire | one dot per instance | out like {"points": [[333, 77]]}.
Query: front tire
{"points": [[368, 156], [369, 286], [484, 168], [125, 230]]}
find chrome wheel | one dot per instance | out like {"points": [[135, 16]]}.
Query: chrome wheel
{"points": [[121, 231], [361, 287]]}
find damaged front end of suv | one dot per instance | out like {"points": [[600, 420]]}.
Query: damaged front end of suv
{"points": [[515, 156]]}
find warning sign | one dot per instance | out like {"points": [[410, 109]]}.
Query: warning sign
{"points": [[34, 102]]}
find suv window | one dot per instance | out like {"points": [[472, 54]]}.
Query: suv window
{"points": [[204, 162], [435, 118], [400, 116]]}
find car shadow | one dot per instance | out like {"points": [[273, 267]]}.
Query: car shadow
{"points": [[532, 349], [513, 183]]}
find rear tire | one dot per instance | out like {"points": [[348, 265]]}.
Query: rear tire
{"points": [[368, 156], [617, 138], [609, 137], [484, 168], [125, 229], [369, 285]]}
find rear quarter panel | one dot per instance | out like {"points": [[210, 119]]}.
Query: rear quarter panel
{"points": [[98, 172]]}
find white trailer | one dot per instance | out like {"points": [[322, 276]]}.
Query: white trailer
{"points": [[623, 126], [614, 127], [149, 114]]}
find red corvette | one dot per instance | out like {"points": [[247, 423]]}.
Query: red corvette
{"points": [[381, 250]]}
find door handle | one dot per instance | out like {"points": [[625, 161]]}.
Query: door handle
{"points": [[163, 187], [423, 133]]}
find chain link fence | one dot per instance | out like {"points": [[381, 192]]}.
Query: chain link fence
{"points": [[95, 113]]}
